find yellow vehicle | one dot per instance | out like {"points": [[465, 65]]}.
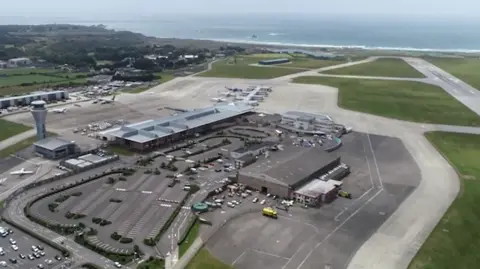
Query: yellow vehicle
{"points": [[345, 194], [269, 212]]}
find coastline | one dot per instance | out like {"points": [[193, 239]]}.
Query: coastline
{"points": [[350, 49]]}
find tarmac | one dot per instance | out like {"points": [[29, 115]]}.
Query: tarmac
{"points": [[395, 242]]}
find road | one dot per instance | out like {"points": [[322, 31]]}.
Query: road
{"points": [[16, 214]]}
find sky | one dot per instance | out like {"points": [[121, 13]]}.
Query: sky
{"points": [[111, 9]]}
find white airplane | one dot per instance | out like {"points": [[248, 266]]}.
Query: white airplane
{"points": [[106, 101], [60, 110], [21, 172], [226, 94], [219, 100], [3, 180]]}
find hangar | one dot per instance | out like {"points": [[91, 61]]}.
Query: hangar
{"points": [[27, 99], [281, 174], [54, 147]]}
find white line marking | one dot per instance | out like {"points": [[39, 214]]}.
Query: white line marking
{"points": [[339, 226], [269, 254], [238, 258], [375, 161]]}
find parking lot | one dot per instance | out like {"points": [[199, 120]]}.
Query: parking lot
{"points": [[13, 258]]}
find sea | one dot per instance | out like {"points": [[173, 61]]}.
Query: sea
{"points": [[367, 32]]}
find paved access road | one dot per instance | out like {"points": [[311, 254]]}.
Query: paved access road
{"points": [[79, 253]]}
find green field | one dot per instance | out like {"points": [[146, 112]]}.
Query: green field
{"points": [[36, 79], [191, 236], [240, 66], [404, 100], [26, 71], [379, 68], [204, 260], [17, 147], [466, 69], [455, 242], [152, 264], [10, 129]]}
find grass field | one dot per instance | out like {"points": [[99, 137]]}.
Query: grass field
{"points": [[191, 236], [379, 68], [464, 69], [455, 242], [204, 260], [17, 147], [25, 71], [240, 66], [37, 79], [404, 100], [152, 264], [10, 129]]}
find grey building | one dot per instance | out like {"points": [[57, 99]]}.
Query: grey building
{"points": [[274, 61], [315, 193], [308, 123], [151, 134], [20, 61], [55, 148], [24, 100], [254, 149], [282, 173], [244, 160]]}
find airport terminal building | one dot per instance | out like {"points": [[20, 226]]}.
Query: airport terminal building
{"points": [[27, 99], [152, 134], [282, 175]]}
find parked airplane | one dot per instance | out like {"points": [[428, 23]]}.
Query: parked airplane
{"points": [[21, 172], [60, 110], [3, 180], [226, 94], [233, 89], [107, 101], [219, 100]]}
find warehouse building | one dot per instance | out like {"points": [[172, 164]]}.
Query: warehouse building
{"points": [[27, 99], [316, 193], [274, 61], [151, 134], [254, 149], [282, 173], [55, 148], [308, 123]]}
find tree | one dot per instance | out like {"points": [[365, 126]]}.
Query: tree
{"points": [[144, 64]]}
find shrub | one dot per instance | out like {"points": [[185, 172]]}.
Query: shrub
{"points": [[96, 220], [79, 216], [125, 240], [122, 178], [149, 242], [92, 232], [115, 236], [78, 193], [105, 222], [69, 215]]}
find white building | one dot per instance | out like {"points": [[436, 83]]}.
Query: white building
{"points": [[316, 192], [20, 61]]}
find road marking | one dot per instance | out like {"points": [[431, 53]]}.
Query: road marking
{"points": [[146, 192], [118, 189], [238, 258], [269, 254]]}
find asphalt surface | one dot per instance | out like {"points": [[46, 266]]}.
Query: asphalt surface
{"points": [[24, 243], [383, 175], [419, 213]]}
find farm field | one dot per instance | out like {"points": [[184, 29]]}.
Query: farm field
{"points": [[455, 242], [379, 68], [403, 100]]}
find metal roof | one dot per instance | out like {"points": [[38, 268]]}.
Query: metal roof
{"points": [[315, 188], [52, 143], [153, 129], [290, 166], [33, 95]]}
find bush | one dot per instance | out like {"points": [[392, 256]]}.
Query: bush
{"points": [[69, 215], [62, 198], [125, 240], [92, 232], [96, 220], [122, 178], [52, 207], [105, 222], [115, 236], [148, 172], [149, 242], [79, 216], [110, 180], [78, 193]]}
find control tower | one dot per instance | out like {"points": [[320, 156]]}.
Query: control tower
{"points": [[39, 113]]}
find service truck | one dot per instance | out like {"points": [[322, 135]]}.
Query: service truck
{"points": [[269, 212]]}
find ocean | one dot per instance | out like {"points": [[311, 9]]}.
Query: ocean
{"points": [[307, 30]]}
